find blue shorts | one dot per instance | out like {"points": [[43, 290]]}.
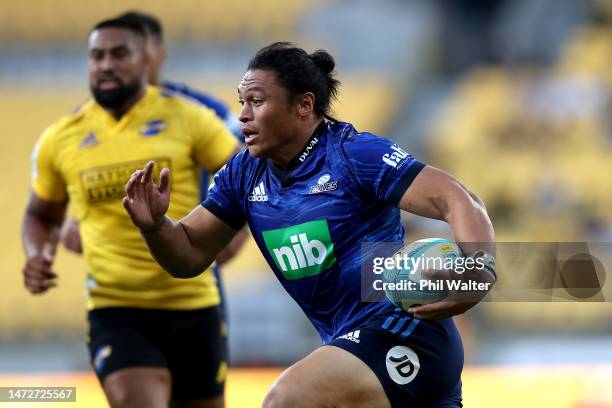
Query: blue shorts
{"points": [[418, 362]]}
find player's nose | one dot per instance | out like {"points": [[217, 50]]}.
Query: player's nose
{"points": [[106, 64], [246, 114]]}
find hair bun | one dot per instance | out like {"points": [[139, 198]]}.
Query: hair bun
{"points": [[324, 61]]}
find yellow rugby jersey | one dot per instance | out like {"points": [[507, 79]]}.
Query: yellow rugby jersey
{"points": [[88, 157]]}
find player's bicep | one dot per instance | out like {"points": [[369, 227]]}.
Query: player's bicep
{"points": [[431, 192], [46, 180], [207, 233]]}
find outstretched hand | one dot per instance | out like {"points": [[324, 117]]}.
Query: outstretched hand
{"points": [[145, 202]]}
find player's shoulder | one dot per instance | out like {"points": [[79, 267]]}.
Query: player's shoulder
{"points": [[353, 143], [68, 122], [362, 150], [185, 93], [352, 139]]}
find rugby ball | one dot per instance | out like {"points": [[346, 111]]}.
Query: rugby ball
{"points": [[404, 283]]}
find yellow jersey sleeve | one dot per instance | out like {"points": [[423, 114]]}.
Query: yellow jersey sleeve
{"points": [[213, 143], [47, 181]]}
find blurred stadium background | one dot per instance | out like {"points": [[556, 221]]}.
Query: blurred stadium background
{"points": [[512, 96]]}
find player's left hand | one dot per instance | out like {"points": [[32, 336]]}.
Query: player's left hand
{"points": [[457, 301], [70, 236]]}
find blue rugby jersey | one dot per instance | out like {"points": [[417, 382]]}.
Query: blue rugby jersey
{"points": [[310, 219]]}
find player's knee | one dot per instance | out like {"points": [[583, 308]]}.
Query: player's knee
{"points": [[121, 398], [130, 397]]}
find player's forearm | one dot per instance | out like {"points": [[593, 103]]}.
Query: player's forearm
{"points": [[172, 248], [468, 218], [39, 234]]}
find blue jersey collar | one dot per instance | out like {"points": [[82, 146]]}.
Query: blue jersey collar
{"points": [[304, 154]]}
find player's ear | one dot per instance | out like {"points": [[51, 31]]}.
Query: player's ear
{"points": [[162, 54], [305, 104], [144, 52]]}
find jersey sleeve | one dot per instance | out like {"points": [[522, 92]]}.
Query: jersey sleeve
{"points": [[381, 167], [224, 194], [47, 181], [213, 144]]}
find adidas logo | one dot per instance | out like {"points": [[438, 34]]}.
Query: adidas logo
{"points": [[259, 193], [90, 140], [352, 336]]}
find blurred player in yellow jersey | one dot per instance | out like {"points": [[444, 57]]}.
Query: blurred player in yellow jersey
{"points": [[152, 339]]}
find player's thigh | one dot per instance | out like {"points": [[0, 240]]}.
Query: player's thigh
{"points": [[120, 338], [138, 387], [328, 377], [197, 357]]}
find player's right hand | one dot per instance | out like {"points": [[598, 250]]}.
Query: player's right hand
{"points": [[37, 274], [145, 202]]}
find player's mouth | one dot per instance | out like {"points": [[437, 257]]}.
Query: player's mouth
{"points": [[249, 136], [108, 84]]}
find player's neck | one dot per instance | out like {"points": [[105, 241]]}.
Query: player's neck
{"points": [[119, 111], [292, 149]]}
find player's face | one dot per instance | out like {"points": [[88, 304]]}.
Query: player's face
{"points": [[269, 119], [117, 66]]}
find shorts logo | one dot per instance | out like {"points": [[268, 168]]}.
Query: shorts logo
{"points": [[102, 354], [402, 364], [301, 250], [352, 336], [396, 158]]}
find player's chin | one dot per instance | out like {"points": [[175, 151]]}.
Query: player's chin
{"points": [[255, 150]]}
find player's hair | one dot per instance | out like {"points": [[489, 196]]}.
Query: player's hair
{"points": [[300, 72], [126, 23], [149, 21]]}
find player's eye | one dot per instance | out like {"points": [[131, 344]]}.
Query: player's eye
{"points": [[241, 102], [256, 102], [96, 55], [120, 53]]}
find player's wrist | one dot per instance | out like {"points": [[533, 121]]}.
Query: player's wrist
{"points": [[155, 228], [485, 261]]}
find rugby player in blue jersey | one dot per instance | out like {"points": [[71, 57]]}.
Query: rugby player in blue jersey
{"points": [[312, 190]]}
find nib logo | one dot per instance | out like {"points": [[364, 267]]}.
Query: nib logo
{"points": [[301, 250]]}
